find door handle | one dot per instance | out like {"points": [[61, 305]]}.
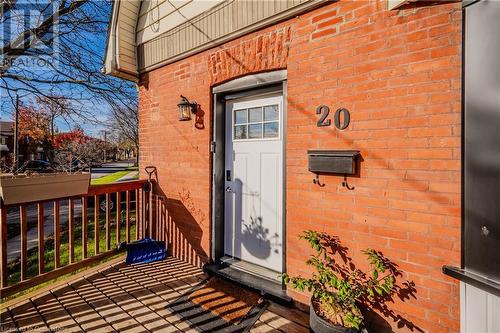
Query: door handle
{"points": [[229, 189]]}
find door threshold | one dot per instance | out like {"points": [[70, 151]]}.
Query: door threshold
{"points": [[251, 268], [266, 287]]}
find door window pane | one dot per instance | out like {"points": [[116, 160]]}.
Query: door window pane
{"points": [[271, 112], [240, 131], [255, 131], [256, 122], [255, 115], [271, 130], [240, 116]]}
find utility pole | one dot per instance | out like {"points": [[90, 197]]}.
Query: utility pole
{"points": [[105, 145], [16, 137]]}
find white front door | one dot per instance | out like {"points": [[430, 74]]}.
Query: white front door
{"points": [[254, 181]]}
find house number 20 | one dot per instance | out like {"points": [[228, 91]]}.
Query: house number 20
{"points": [[324, 111]]}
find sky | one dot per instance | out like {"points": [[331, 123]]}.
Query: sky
{"points": [[96, 42]]}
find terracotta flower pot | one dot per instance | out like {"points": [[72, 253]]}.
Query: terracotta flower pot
{"points": [[319, 325], [16, 189]]}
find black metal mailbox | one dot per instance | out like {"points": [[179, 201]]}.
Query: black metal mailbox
{"points": [[333, 161]]}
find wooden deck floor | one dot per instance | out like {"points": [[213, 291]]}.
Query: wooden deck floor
{"points": [[124, 298]]}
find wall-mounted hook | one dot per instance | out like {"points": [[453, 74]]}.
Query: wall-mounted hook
{"points": [[317, 182], [346, 184]]}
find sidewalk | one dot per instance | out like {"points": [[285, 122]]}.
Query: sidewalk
{"points": [[132, 175], [14, 243]]}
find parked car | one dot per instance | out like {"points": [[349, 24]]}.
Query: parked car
{"points": [[95, 164], [77, 165], [38, 166], [112, 201]]}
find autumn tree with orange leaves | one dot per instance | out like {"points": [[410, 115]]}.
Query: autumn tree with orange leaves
{"points": [[34, 131], [33, 124], [75, 146], [37, 130]]}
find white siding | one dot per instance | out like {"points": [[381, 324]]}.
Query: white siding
{"points": [[223, 21], [126, 44], [145, 34], [159, 16], [480, 311]]}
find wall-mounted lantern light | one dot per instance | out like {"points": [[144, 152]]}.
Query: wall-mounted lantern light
{"points": [[186, 108]]}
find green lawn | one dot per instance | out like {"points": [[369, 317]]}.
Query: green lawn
{"points": [[32, 263], [110, 178]]}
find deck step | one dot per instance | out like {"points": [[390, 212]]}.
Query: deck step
{"points": [[268, 288], [251, 268]]}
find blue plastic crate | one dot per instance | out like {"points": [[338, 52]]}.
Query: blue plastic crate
{"points": [[145, 250]]}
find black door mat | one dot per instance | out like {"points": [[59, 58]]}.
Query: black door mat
{"points": [[219, 306]]}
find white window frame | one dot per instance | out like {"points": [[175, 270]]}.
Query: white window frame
{"points": [[254, 104]]}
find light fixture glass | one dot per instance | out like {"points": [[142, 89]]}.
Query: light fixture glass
{"points": [[185, 108]]}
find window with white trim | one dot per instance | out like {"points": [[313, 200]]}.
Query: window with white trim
{"points": [[256, 123]]}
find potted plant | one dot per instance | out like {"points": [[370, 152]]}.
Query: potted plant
{"points": [[340, 292]]}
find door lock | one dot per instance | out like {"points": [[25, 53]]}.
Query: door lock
{"points": [[229, 189]]}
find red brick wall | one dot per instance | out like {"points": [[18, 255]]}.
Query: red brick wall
{"points": [[398, 72], [180, 151], [264, 52]]}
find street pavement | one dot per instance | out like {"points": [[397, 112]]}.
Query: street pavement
{"points": [[112, 167]]}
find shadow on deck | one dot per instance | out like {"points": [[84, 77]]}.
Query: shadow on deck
{"points": [[121, 298]]}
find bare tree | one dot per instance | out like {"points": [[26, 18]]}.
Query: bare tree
{"points": [[123, 123], [54, 110], [52, 50]]}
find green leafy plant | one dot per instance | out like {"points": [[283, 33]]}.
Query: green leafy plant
{"points": [[339, 290]]}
